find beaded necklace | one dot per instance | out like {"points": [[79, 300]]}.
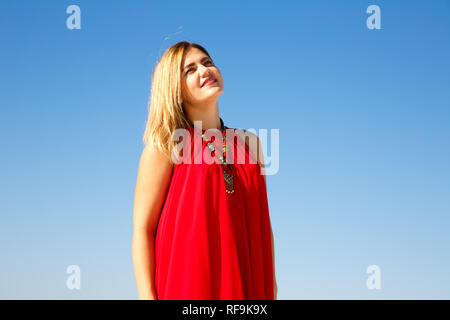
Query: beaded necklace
{"points": [[226, 169]]}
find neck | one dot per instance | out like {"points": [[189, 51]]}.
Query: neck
{"points": [[208, 114]]}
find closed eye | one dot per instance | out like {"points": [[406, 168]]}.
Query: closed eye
{"points": [[207, 61]]}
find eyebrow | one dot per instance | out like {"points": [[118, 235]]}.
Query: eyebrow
{"points": [[192, 63]]}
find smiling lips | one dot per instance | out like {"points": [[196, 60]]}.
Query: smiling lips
{"points": [[209, 81]]}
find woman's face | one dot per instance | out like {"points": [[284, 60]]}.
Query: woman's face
{"points": [[201, 79]]}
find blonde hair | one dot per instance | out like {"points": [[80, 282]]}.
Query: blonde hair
{"points": [[166, 111]]}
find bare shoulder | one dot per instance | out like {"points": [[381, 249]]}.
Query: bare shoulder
{"points": [[152, 155], [154, 174], [154, 166]]}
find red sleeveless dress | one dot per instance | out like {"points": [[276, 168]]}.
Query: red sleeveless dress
{"points": [[210, 244]]}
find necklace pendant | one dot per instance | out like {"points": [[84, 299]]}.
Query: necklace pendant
{"points": [[226, 170]]}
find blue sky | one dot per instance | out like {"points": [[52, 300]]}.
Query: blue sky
{"points": [[363, 116]]}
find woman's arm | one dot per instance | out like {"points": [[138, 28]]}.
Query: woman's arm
{"points": [[153, 178]]}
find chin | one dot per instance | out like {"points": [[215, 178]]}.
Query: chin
{"points": [[213, 93]]}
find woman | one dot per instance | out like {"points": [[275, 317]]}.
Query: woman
{"points": [[201, 231]]}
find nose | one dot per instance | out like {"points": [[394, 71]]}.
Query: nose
{"points": [[204, 71]]}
